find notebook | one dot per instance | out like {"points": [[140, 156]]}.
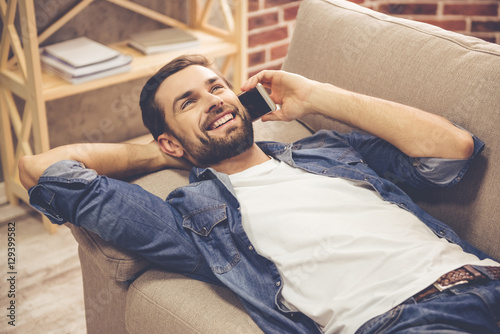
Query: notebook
{"points": [[162, 40]]}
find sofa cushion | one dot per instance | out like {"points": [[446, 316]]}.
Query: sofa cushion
{"points": [[423, 66], [165, 302]]}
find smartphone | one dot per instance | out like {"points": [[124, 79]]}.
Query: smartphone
{"points": [[257, 101]]}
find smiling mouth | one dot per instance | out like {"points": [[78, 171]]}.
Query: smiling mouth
{"points": [[221, 121]]}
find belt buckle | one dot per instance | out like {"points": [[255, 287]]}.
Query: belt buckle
{"points": [[444, 287]]}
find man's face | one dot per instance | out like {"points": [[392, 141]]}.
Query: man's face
{"points": [[205, 115]]}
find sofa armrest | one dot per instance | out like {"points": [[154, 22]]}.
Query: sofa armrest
{"points": [[114, 263]]}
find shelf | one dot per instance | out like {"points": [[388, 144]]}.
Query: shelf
{"points": [[25, 132], [141, 66]]}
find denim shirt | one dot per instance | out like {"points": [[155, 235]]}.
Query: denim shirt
{"points": [[197, 230]]}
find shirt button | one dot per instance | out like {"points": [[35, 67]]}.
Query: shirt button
{"points": [[442, 232], [204, 231], [250, 247], [278, 283]]}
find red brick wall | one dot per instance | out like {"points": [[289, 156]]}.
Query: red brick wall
{"points": [[270, 28], [271, 23]]}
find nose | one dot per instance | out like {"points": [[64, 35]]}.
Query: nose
{"points": [[215, 103]]}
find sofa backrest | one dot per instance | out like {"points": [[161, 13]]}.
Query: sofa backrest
{"points": [[423, 66]]}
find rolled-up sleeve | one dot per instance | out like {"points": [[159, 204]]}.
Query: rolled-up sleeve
{"points": [[122, 213], [391, 163], [446, 172], [69, 175]]}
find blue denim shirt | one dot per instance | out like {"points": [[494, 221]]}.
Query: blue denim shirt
{"points": [[197, 230]]}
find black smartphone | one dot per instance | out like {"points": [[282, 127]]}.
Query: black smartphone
{"points": [[257, 101]]}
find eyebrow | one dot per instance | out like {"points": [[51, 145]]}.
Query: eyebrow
{"points": [[188, 93]]}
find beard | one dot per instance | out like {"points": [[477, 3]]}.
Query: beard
{"points": [[213, 150]]}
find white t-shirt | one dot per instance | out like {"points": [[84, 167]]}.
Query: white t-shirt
{"points": [[345, 255]]}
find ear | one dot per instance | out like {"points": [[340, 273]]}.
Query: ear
{"points": [[170, 145]]}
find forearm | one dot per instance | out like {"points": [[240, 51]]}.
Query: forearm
{"points": [[113, 160], [413, 131]]}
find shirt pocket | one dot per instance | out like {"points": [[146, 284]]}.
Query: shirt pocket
{"points": [[210, 230]]}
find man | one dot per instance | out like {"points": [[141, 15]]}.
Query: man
{"points": [[309, 236]]}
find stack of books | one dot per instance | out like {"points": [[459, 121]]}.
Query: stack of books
{"points": [[82, 59], [162, 40]]}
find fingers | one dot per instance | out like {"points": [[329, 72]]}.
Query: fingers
{"points": [[277, 115], [270, 117], [264, 77], [251, 83]]}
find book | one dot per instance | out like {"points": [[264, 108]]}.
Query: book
{"points": [[82, 59], [88, 77], [162, 40], [50, 62], [81, 51]]}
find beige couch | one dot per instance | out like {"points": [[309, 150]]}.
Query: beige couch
{"points": [[357, 49]]}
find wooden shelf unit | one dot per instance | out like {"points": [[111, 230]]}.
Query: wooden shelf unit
{"points": [[21, 74]]}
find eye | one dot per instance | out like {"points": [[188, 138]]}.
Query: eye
{"points": [[215, 88], [186, 104]]}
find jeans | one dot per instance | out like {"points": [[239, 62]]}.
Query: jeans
{"points": [[467, 308]]}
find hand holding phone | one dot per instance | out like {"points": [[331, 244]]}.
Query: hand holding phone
{"points": [[257, 101]]}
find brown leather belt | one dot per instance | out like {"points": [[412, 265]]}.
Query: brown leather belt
{"points": [[463, 275]]}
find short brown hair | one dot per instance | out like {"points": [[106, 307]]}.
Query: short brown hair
{"points": [[153, 114]]}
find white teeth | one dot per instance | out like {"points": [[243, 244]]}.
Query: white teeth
{"points": [[221, 121]]}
